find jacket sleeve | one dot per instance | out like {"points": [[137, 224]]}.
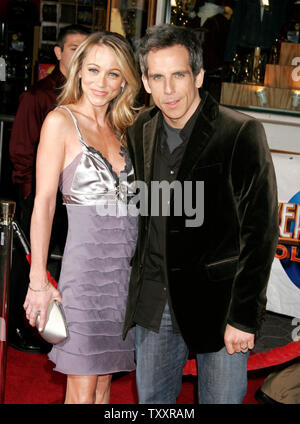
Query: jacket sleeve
{"points": [[24, 140], [255, 190]]}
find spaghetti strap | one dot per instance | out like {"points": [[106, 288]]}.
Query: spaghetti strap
{"points": [[91, 149], [75, 122]]}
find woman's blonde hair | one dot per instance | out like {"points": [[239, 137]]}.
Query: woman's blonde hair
{"points": [[121, 111]]}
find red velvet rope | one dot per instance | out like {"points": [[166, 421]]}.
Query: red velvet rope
{"points": [[276, 356]]}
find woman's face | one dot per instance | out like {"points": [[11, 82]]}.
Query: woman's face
{"points": [[101, 78]]}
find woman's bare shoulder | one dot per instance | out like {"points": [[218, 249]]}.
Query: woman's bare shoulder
{"points": [[58, 121], [57, 116]]}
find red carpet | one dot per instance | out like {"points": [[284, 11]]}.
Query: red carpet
{"points": [[30, 380]]}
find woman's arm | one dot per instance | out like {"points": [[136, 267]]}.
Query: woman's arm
{"points": [[50, 160]]}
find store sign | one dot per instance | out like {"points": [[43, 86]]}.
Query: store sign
{"points": [[288, 249], [296, 71], [284, 286]]}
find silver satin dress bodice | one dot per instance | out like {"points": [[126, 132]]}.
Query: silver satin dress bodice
{"points": [[94, 181]]}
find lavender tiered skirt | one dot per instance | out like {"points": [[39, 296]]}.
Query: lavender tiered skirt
{"points": [[94, 285]]}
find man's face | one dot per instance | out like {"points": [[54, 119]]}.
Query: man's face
{"points": [[72, 41], [172, 84]]}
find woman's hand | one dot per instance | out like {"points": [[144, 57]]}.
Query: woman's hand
{"points": [[37, 302]]}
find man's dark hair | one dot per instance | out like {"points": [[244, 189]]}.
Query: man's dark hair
{"points": [[165, 35], [70, 29]]}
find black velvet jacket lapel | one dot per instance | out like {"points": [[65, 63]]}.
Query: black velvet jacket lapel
{"points": [[149, 141], [201, 134]]}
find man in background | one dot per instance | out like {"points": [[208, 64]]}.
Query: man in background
{"points": [[34, 105]]}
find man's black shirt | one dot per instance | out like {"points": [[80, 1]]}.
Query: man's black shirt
{"points": [[168, 154]]}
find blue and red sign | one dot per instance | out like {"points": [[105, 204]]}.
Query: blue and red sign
{"points": [[288, 248]]}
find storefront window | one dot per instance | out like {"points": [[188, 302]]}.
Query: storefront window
{"points": [[129, 18], [179, 11]]}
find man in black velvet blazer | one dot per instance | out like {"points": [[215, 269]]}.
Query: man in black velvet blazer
{"points": [[200, 271]]}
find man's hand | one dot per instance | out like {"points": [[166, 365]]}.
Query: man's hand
{"points": [[237, 340]]}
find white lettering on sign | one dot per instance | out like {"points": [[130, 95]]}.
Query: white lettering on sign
{"points": [[296, 71]]}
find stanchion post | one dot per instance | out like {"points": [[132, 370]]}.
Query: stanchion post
{"points": [[7, 211]]}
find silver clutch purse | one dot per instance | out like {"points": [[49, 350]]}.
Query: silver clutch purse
{"points": [[55, 329]]}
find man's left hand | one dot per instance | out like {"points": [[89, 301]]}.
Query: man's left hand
{"points": [[237, 340]]}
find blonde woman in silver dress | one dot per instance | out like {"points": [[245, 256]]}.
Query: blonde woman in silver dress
{"points": [[83, 151]]}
